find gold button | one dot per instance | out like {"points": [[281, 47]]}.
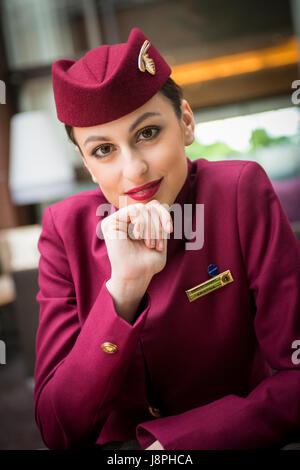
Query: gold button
{"points": [[109, 348], [155, 412]]}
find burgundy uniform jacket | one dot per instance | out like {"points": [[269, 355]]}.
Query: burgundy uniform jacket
{"points": [[225, 366]]}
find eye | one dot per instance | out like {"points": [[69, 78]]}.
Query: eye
{"points": [[148, 133], [102, 150]]}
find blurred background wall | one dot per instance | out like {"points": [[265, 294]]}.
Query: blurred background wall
{"points": [[238, 65]]}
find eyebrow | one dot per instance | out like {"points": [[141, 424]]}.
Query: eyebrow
{"points": [[93, 138]]}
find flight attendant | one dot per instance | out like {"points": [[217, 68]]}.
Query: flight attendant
{"points": [[169, 296]]}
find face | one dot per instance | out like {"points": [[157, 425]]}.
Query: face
{"points": [[144, 146]]}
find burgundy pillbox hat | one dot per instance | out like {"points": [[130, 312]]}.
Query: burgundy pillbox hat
{"points": [[108, 81]]}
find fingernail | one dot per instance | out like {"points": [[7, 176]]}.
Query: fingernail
{"points": [[160, 244], [152, 243]]}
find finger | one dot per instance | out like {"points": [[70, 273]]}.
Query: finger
{"points": [[133, 230], [137, 230], [155, 220], [128, 213], [139, 226], [156, 226], [165, 216], [134, 225], [126, 219], [148, 231]]}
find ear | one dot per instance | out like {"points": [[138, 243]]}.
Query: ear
{"points": [[188, 123]]}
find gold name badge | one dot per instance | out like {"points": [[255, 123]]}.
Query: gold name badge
{"points": [[212, 284]]}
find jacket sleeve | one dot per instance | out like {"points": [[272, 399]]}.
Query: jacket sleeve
{"points": [[270, 414], [76, 382]]}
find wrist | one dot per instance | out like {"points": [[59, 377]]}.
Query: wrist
{"points": [[128, 288], [126, 296]]}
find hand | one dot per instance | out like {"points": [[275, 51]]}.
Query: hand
{"points": [[128, 234]]}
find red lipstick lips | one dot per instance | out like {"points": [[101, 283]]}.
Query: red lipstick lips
{"points": [[147, 190], [145, 186]]}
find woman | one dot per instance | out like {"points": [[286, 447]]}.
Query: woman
{"points": [[126, 348]]}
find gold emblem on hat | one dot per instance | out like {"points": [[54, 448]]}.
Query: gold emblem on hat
{"points": [[212, 284], [144, 61]]}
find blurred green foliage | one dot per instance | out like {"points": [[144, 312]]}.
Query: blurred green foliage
{"points": [[215, 151], [220, 150], [260, 138]]}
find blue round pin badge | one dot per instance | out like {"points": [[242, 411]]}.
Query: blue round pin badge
{"points": [[212, 270]]}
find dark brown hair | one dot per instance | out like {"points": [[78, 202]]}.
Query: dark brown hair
{"points": [[170, 90]]}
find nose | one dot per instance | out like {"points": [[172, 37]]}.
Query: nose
{"points": [[134, 166]]}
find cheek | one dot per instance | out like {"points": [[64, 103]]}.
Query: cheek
{"points": [[106, 178], [170, 152]]}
